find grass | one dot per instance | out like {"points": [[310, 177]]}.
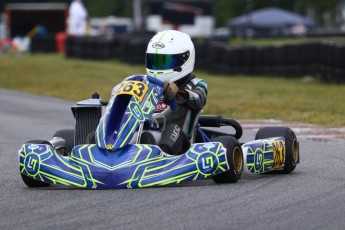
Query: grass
{"points": [[239, 97], [283, 41]]}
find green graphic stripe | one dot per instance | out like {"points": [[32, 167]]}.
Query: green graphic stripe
{"points": [[47, 154], [65, 163], [218, 155], [143, 164], [190, 158], [64, 171], [79, 150], [130, 132], [162, 74], [24, 150], [221, 168], [41, 178], [133, 127], [22, 167], [111, 102], [67, 182], [147, 170], [57, 179], [151, 151], [152, 97], [177, 179], [125, 125], [138, 167], [163, 166], [86, 165], [101, 130], [127, 163], [131, 162], [198, 174], [160, 39]]}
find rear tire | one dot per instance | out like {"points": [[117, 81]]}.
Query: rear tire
{"points": [[291, 145], [29, 181], [235, 160]]}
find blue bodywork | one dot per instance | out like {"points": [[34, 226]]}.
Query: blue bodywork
{"points": [[114, 163]]}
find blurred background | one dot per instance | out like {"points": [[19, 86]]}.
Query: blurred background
{"points": [[252, 37], [329, 16], [280, 59]]}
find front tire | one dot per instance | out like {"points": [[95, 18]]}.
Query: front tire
{"points": [[291, 145], [29, 181], [235, 160], [68, 136]]}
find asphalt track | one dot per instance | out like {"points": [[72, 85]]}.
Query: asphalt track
{"points": [[312, 197]]}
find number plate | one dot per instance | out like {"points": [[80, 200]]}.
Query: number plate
{"points": [[137, 89]]}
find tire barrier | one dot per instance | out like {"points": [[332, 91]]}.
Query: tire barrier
{"points": [[91, 48], [46, 44], [323, 60], [130, 49]]}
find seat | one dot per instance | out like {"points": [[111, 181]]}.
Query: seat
{"points": [[147, 138]]}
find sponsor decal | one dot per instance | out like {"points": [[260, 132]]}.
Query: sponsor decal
{"points": [[161, 107], [158, 45], [109, 146], [259, 159], [175, 133], [32, 164], [148, 104], [33, 147], [136, 111], [278, 154], [135, 88], [207, 163], [208, 145], [158, 90]]}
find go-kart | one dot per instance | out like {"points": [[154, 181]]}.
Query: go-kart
{"points": [[105, 149]]}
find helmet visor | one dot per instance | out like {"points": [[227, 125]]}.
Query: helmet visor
{"points": [[165, 61]]}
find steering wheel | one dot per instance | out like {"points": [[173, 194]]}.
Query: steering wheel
{"points": [[156, 81]]}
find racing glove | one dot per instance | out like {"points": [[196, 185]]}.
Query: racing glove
{"points": [[182, 96], [170, 90]]}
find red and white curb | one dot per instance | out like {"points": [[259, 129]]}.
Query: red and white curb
{"points": [[302, 131]]}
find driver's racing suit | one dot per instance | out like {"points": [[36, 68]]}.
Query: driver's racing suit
{"points": [[191, 98]]}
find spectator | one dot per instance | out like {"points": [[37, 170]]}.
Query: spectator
{"points": [[77, 19]]}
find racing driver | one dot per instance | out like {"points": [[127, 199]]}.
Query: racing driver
{"points": [[170, 57]]}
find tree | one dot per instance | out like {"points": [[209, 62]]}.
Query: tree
{"points": [[227, 9], [103, 8], [223, 10]]}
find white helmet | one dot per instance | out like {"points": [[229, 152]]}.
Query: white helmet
{"points": [[170, 55]]}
